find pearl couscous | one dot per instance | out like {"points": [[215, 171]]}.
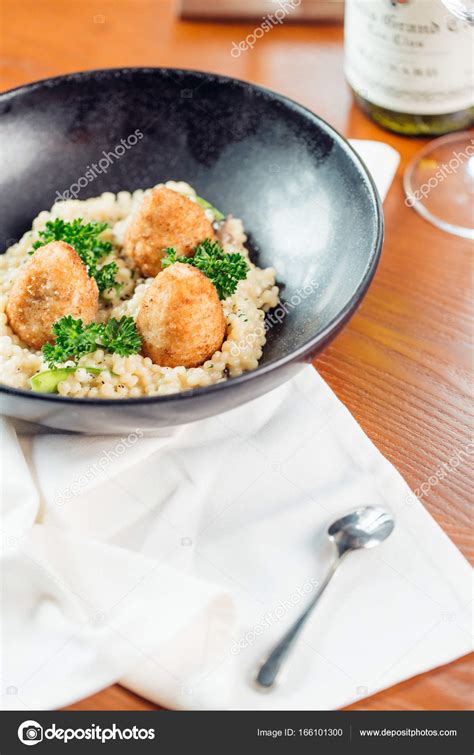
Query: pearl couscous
{"points": [[137, 375]]}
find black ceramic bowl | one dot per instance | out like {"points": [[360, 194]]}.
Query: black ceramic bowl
{"points": [[305, 197]]}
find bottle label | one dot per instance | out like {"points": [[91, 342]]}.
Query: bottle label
{"points": [[410, 56]]}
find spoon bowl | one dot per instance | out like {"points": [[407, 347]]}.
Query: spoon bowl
{"points": [[366, 527]]}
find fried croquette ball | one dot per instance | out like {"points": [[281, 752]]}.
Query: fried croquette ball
{"points": [[53, 283], [163, 219], [181, 319]]}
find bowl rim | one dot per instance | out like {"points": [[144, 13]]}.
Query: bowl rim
{"points": [[297, 355]]}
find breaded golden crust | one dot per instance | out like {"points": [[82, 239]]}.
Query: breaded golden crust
{"points": [[164, 218], [53, 283], [181, 319]]}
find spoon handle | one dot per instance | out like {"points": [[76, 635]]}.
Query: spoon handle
{"points": [[270, 668]]}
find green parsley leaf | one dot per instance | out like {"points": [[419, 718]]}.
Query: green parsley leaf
{"points": [[120, 336], [73, 339], [84, 238], [105, 276], [224, 269]]}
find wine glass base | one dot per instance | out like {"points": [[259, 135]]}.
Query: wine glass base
{"points": [[439, 183]]}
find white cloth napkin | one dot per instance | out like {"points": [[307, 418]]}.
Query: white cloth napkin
{"points": [[172, 564]]}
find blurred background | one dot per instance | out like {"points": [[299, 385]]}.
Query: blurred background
{"points": [[300, 57]]}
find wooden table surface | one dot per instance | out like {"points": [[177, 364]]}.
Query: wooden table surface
{"points": [[403, 364]]}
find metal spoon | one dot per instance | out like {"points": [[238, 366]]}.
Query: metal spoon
{"points": [[366, 527]]}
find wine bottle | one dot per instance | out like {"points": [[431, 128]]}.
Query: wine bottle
{"points": [[409, 64]]}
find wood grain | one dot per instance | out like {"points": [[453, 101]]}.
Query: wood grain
{"points": [[403, 366]]}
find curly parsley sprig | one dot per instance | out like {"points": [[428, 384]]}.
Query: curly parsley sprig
{"points": [[84, 238], [73, 339], [224, 269]]}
